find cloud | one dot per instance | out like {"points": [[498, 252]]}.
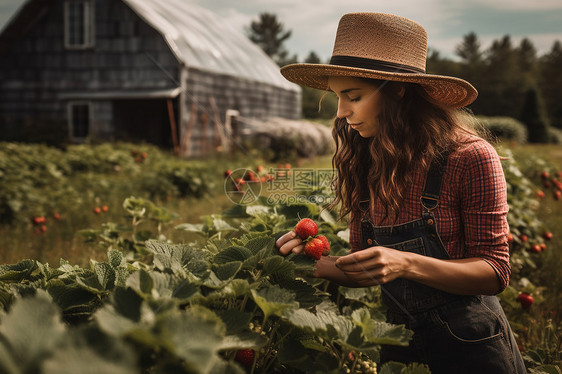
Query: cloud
{"points": [[521, 4]]}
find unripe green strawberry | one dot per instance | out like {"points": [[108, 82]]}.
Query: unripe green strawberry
{"points": [[314, 248], [305, 228], [245, 357]]}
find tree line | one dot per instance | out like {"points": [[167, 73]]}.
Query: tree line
{"points": [[512, 80]]}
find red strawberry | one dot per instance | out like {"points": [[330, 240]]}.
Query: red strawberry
{"points": [[39, 220], [544, 174], [104, 208], [314, 248], [540, 194], [245, 357], [326, 250], [305, 228], [525, 299], [524, 238], [97, 210], [536, 248], [547, 235]]}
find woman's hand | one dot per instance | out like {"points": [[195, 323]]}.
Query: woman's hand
{"points": [[374, 266], [290, 243]]}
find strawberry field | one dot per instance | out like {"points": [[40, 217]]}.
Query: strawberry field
{"points": [[123, 259]]}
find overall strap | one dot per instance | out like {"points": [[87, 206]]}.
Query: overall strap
{"points": [[433, 183]]}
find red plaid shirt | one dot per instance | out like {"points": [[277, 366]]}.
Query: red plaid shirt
{"points": [[472, 212]]}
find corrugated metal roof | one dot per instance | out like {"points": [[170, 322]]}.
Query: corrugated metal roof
{"points": [[202, 39]]}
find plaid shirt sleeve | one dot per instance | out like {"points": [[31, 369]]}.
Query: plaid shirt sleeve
{"points": [[355, 233], [483, 200]]}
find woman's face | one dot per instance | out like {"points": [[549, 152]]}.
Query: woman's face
{"points": [[359, 102]]}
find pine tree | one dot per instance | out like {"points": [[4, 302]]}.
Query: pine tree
{"points": [[551, 83], [502, 93], [312, 58], [534, 117], [269, 34], [469, 49], [527, 62]]}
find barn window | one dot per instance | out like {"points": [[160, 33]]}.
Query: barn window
{"points": [[79, 24], [79, 119]]}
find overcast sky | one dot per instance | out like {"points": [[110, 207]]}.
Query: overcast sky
{"points": [[314, 22]]}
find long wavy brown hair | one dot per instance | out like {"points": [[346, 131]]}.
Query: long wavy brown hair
{"points": [[413, 131]]}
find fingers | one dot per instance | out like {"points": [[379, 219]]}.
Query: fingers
{"points": [[360, 260], [285, 238], [289, 242]]}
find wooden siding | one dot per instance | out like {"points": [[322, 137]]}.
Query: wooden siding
{"points": [[36, 70], [207, 97], [38, 77]]}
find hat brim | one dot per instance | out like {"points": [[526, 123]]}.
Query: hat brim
{"points": [[445, 90]]}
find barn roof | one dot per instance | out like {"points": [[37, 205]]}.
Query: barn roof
{"points": [[198, 37], [201, 39]]}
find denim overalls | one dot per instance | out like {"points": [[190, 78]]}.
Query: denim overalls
{"points": [[452, 333]]}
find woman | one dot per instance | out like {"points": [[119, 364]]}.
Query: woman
{"points": [[426, 197]]}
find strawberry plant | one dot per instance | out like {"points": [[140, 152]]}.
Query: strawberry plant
{"points": [[194, 308]]}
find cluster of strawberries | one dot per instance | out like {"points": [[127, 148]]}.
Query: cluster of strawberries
{"points": [[316, 245]]}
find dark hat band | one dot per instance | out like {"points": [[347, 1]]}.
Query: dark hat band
{"points": [[372, 64]]}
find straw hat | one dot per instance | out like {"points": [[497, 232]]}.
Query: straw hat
{"points": [[386, 47]]}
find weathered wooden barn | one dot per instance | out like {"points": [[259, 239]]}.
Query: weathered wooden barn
{"points": [[162, 71]]}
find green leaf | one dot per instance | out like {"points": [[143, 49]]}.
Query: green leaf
{"points": [[257, 244], [33, 329], [221, 225], [257, 210], [274, 300], [135, 207], [141, 281], [243, 340], [89, 351], [236, 211], [8, 364], [278, 264], [548, 369], [235, 321], [115, 258], [234, 253], [105, 275], [305, 320], [298, 211], [192, 227], [127, 303], [17, 272], [228, 270], [184, 290], [69, 295], [378, 332], [392, 367], [194, 336]]}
